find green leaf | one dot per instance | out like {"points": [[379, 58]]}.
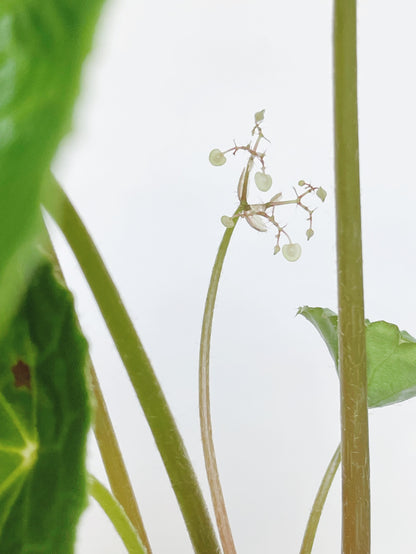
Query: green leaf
{"points": [[391, 356], [42, 47], [326, 323], [45, 416]]}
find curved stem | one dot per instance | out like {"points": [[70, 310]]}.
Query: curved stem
{"points": [[143, 379], [204, 401], [352, 347], [319, 502], [106, 438], [113, 461], [117, 516]]}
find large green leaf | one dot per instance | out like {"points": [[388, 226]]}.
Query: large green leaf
{"points": [[391, 356], [45, 416], [42, 47]]}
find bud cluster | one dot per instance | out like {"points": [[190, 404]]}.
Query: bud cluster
{"points": [[259, 215]]}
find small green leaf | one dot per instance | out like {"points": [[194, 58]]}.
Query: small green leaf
{"points": [[45, 416], [391, 356], [326, 323], [42, 48]]}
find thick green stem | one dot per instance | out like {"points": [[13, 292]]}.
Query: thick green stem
{"points": [[106, 438], [117, 516], [159, 417], [204, 401], [319, 502], [352, 353]]}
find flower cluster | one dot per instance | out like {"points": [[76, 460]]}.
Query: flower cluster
{"points": [[259, 215]]}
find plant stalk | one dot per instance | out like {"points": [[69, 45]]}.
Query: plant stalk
{"points": [[117, 516], [113, 461], [144, 381], [204, 401], [106, 438], [318, 505], [352, 351]]}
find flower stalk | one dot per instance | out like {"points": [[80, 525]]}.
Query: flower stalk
{"points": [[143, 379]]}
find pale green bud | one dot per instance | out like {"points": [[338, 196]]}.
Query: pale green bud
{"points": [[263, 181], [216, 157], [276, 249], [276, 197], [309, 233], [292, 251], [259, 116], [227, 221], [301, 183], [321, 194]]}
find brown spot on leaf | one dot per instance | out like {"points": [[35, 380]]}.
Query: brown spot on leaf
{"points": [[21, 372]]}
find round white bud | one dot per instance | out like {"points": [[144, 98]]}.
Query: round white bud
{"points": [[257, 222]]}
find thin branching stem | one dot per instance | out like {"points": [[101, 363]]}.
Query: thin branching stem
{"points": [[321, 495]]}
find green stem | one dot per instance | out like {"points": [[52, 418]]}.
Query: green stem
{"points": [[352, 352], [106, 438], [204, 401], [117, 516], [159, 417], [319, 502], [113, 461]]}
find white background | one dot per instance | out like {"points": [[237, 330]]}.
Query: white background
{"points": [[167, 82]]}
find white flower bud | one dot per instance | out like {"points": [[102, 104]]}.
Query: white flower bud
{"points": [[292, 251], [259, 116], [309, 233], [257, 222], [263, 181], [321, 194], [227, 221], [255, 208], [216, 157]]}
